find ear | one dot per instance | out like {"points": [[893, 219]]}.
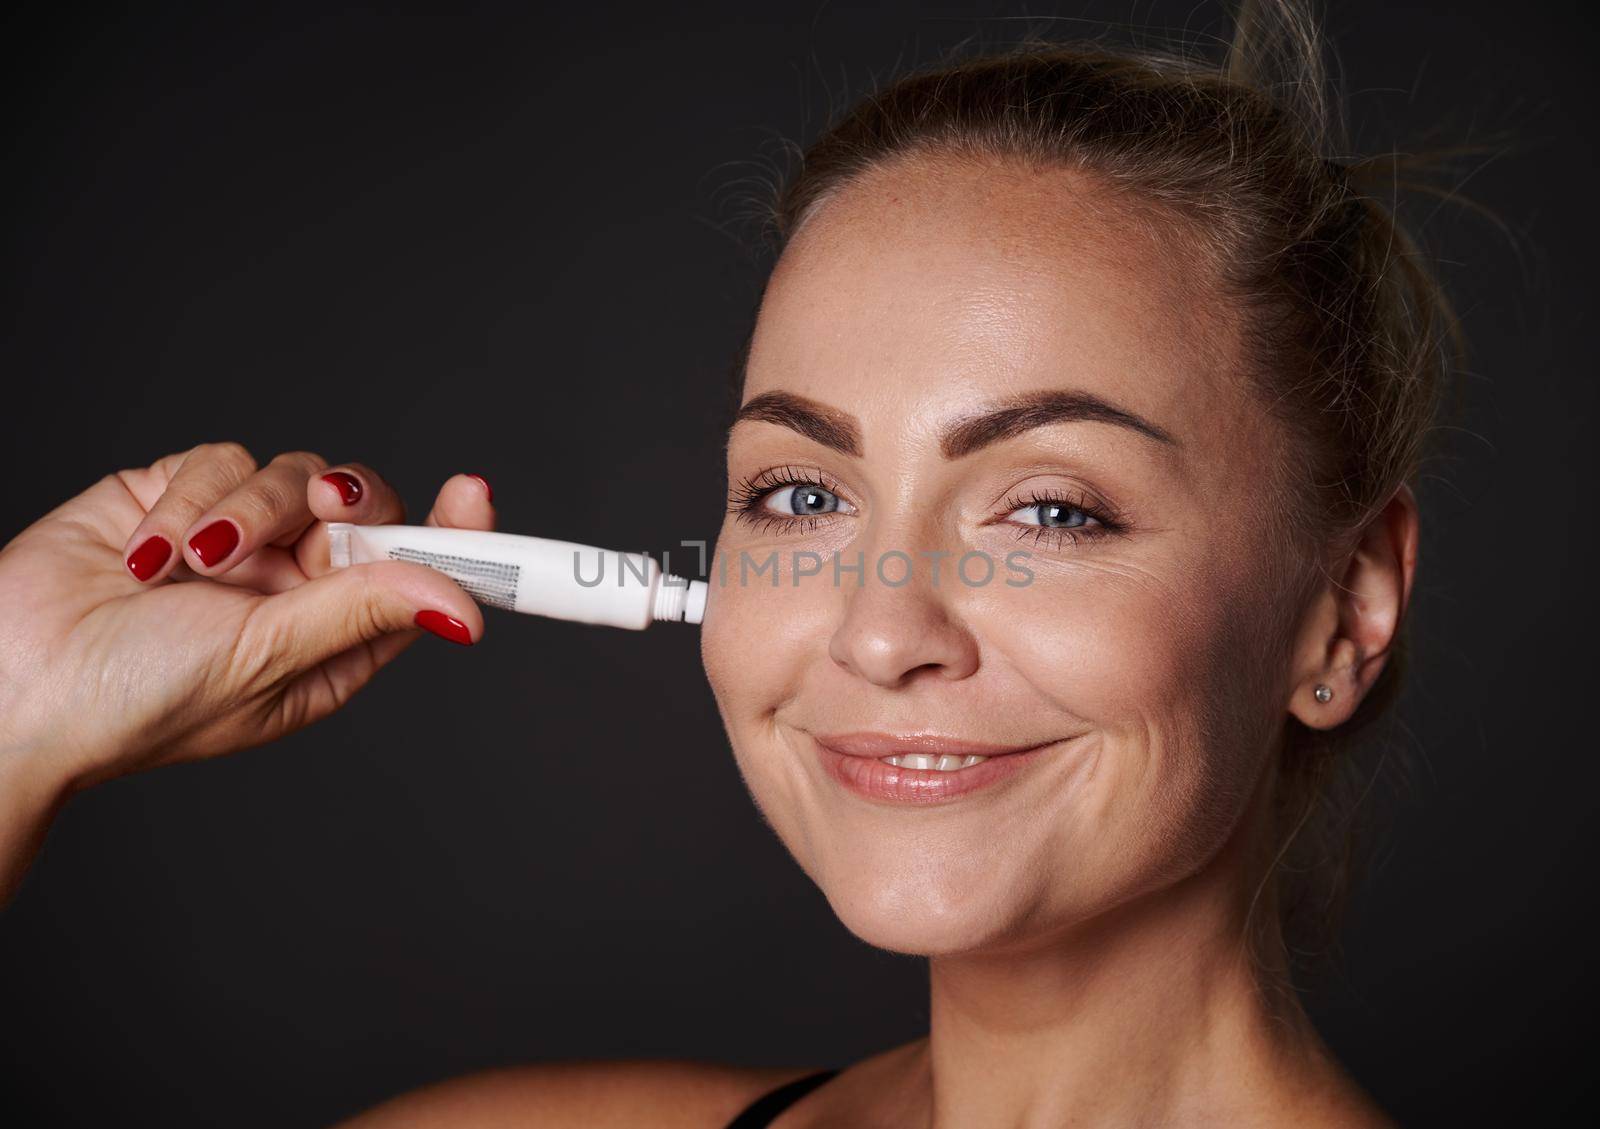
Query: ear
{"points": [[1351, 625]]}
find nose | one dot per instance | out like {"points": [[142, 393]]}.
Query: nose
{"points": [[892, 634]]}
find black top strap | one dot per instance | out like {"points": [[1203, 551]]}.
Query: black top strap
{"points": [[760, 1112]]}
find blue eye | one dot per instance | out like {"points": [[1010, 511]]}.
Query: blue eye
{"points": [[804, 500], [1050, 515], [786, 498]]}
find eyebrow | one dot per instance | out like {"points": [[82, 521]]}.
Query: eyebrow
{"points": [[828, 426], [1037, 409], [840, 431]]}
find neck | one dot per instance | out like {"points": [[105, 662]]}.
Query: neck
{"points": [[1158, 1012]]}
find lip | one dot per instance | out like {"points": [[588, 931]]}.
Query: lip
{"points": [[852, 760]]}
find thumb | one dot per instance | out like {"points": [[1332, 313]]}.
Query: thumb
{"points": [[319, 619]]}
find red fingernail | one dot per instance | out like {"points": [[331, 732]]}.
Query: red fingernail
{"points": [[348, 485], [487, 489], [445, 627], [213, 543], [145, 561]]}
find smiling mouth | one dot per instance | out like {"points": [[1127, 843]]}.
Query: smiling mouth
{"points": [[925, 752], [922, 769]]}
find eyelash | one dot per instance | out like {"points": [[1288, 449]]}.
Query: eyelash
{"points": [[1107, 521], [747, 495]]}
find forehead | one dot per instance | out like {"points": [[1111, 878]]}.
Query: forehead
{"points": [[925, 284]]}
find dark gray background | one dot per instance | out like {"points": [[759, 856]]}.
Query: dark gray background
{"points": [[497, 240]]}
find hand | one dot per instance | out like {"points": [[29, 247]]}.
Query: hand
{"points": [[187, 610]]}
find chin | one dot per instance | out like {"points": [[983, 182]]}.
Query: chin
{"points": [[917, 911]]}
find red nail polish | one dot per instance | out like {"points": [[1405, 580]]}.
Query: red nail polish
{"points": [[145, 561], [348, 485], [487, 489], [445, 627], [213, 543]]}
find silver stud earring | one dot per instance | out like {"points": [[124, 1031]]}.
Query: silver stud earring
{"points": [[1322, 693]]}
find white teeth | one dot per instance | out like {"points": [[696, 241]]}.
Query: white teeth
{"points": [[947, 762]]}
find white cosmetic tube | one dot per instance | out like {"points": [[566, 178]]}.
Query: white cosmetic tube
{"points": [[559, 579]]}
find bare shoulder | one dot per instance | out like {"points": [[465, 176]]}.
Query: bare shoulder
{"points": [[887, 1090], [1353, 1115], [666, 1093], [1337, 1101]]}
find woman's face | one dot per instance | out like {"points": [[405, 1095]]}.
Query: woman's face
{"points": [[1018, 371]]}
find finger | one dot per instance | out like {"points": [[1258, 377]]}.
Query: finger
{"points": [[354, 493], [147, 484], [320, 691], [348, 492], [207, 473], [259, 510], [465, 501], [267, 570], [297, 630]]}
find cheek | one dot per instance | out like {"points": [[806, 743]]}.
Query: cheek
{"points": [[1155, 665], [761, 637], [759, 630], [759, 642], [1113, 644]]}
